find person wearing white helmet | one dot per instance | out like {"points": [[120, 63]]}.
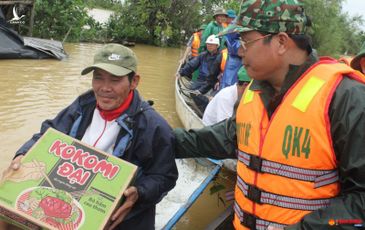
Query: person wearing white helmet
{"points": [[212, 44], [208, 64], [213, 40]]}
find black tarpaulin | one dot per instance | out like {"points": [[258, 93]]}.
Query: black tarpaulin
{"points": [[13, 46]]}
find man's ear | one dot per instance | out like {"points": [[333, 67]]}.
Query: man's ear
{"points": [[135, 81], [284, 42]]}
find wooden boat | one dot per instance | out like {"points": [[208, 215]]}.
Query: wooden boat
{"points": [[190, 120], [128, 43], [203, 169], [186, 112]]}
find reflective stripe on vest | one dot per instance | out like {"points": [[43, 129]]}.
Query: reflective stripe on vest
{"points": [[195, 45], [251, 221], [306, 95], [262, 197], [319, 177], [248, 95]]}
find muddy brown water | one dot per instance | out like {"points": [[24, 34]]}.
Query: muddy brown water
{"points": [[35, 90]]}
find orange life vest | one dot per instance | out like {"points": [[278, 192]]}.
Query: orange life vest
{"points": [[195, 45], [286, 165], [224, 53]]}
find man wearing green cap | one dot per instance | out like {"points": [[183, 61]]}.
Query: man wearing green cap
{"points": [[298, 131], [358, 62], [214, 27], [113, 117]]}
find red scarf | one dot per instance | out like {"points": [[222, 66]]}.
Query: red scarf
{"points": [[110, 115]]}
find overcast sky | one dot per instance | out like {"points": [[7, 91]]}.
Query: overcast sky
{"points": [[355, 7]]}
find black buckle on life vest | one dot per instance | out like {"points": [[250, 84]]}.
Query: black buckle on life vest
{"points": [[255, 163], [254, 194], [249, 220]]}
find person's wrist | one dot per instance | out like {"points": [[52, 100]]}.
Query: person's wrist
{"points": [[141, 193]]}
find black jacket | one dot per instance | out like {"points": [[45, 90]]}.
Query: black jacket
{"points": [[151, 149], [208, 65]]}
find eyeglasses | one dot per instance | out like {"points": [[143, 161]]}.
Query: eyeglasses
{"points": [[245, 43]]}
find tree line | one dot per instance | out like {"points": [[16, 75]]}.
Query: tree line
{"points": [[171, 22]]}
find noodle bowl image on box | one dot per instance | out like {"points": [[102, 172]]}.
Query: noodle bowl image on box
{"points": [[53, 206], [64, 184]]}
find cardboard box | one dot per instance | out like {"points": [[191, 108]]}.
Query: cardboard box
{"points": [[64, 184]]}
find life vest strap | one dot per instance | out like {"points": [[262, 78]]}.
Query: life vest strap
{"points": [[255, 163], [318, 177], [262, 197], [253, 222]]}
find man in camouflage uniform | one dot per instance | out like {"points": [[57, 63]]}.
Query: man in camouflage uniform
{"points": [[298, 131]]}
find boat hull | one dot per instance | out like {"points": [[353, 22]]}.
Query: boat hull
{"points": [[188, 117]]}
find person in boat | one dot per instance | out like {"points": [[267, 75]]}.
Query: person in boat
{"points": [[192, 47], [208, 63], [113, 117], [233, 64], [213, 28], [298, 132], [358, 62], [233, 61], [221, 106], [231, 16]]}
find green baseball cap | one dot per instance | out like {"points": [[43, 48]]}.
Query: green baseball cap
{"points": [[203, 27], [242, 75], [271, 17], [355, 63], [220, 11], [115, 59]]}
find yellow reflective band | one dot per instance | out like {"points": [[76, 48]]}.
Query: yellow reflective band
{"points": [[248, 96], [309, 90]]}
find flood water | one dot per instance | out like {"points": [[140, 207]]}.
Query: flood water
{"points": [[35, 90]]}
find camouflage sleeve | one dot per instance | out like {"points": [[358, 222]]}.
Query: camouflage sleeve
{"points": [[217, 141]]}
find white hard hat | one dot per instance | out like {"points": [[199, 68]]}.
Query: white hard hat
{"points": [[212, 39]]}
